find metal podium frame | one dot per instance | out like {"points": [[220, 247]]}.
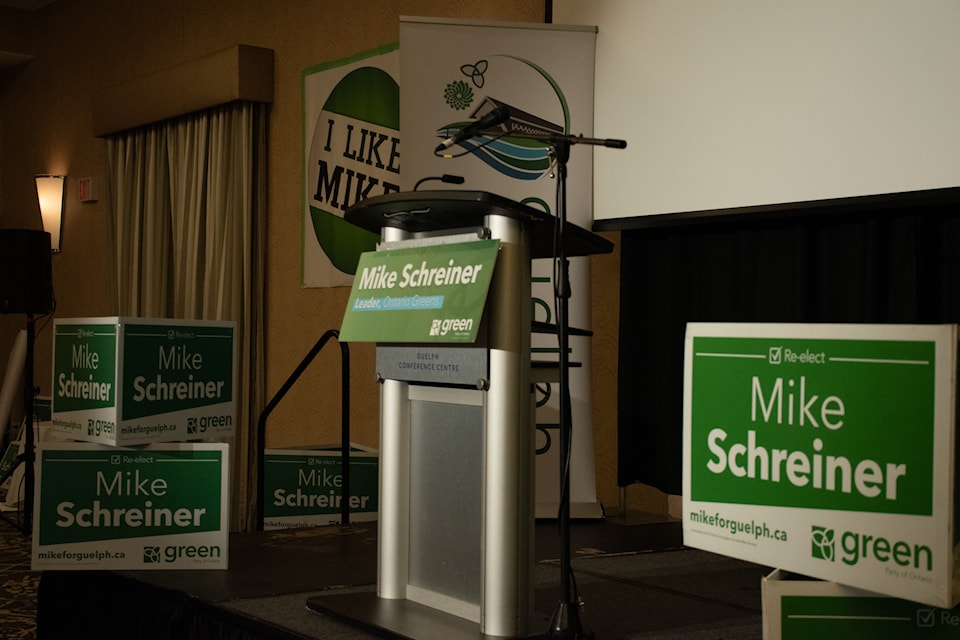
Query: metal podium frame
{"points": [[497, 601]]}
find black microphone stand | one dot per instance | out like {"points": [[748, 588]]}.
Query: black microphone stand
{"points": [[565, 622]]}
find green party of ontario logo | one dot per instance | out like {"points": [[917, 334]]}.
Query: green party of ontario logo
{"points": [[354, 154], [852, 547], [822, 543], [521, 149], [173, 552]]}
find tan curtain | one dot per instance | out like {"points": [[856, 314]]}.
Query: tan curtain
{"points": [[140, 186], [189, 198]]}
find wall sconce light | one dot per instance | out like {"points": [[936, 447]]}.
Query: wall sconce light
{"points": [[50, 196]]}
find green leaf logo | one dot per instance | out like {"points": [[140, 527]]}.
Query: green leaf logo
{"points": [[822, 543], [458, 95]]}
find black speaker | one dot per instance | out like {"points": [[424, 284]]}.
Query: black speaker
{"points": [[26, 272]]}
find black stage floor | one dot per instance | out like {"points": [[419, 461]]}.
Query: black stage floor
{"points": [[637, 581]]}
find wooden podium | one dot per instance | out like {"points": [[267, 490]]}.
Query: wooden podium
{"points": [[455, 546]]}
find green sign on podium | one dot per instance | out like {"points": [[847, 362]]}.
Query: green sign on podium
{"points": [[433, 293]]}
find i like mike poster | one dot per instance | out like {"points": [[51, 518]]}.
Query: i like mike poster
{"points": [[351, 151]]}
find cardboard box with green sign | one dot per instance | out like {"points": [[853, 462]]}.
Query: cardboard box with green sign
{"points": [[162, 506], [798, 608], [123, 381], [827, 450], [303, 487]]}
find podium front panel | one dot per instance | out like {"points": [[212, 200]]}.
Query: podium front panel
{"points": [[446, 455]]}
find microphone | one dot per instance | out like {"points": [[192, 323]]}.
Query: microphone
{"points": [[496, 117], [446, 178]]}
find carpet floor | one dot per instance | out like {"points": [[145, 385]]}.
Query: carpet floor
{"points": [[18, 585], [637, 583]]}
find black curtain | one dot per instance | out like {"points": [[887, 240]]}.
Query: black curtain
{"points": [[898, 264]]}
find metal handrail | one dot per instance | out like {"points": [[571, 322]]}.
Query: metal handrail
{"points": [[344, 423]]}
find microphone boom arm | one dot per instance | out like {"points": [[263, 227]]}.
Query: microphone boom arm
{"points": [[567, 139]]}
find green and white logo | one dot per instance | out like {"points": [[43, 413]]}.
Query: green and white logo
{"points": [[481, 86], [171, 553], [822, 545], [853, 547]]}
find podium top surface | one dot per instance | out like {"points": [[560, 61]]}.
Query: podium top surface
{"points": [[426, 211]]}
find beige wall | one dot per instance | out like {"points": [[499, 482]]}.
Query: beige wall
{"points": [[45, 126]]}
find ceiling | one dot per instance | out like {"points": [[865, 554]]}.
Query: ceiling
{"points": [[25, 4], [9, 58]]}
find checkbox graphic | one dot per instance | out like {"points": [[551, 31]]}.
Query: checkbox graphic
{"points": [[926, 618], [775, 355]]}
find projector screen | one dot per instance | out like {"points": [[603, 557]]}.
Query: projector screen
{"points": [[749, 103]]}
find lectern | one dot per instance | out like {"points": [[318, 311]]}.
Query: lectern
{"points": [[455, 534]]}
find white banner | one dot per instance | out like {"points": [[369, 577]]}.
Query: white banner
{"points": [[455, 72]]}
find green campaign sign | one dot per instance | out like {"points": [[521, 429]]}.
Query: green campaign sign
{"points": [[97, 494], [305, 487], [825, 450], [815, 423], [85, 362], [127, 381], [160, 506], [170, 368], [432, 293], [864, 617]]}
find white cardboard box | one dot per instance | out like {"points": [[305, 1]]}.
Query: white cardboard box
{"points": [[162, 506], [124, 381], [827, 450], [796, 607]]}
